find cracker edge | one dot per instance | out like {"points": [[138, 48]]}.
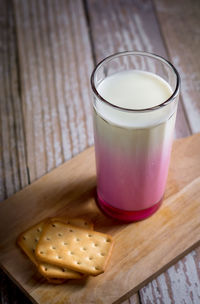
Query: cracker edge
{"points": [[46, 221], [62, 220], [77, 275], [63, 275], [20, 237]]}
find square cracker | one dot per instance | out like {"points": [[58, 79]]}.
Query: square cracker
{"points": [[29, 239], [73, 247]]}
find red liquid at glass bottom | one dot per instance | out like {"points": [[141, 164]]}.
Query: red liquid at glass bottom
{"points": [[127, 216]]}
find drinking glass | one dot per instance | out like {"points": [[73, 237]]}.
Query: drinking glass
{"points": [[133, 146]]}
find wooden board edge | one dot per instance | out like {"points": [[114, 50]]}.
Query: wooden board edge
{"points": [[28, 295], [157, 273]]}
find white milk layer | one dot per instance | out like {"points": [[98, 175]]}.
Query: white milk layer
{"points": [[134, 89]]}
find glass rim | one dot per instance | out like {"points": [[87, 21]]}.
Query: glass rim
{"points": [[140, 53]]}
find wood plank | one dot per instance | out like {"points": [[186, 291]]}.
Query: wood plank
{"points": [[183, 42], [13, 171], [129, 25], [142, 249], [181, 283], [133, 300], [56, 62], [50, 161]]}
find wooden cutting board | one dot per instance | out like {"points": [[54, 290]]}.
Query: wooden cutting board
{"points": [[142, 250]]}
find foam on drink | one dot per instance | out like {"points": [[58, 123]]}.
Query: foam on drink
{"points": [[135, 89]]}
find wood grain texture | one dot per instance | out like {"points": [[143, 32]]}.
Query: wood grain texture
{"points": [[50, 37], [129, 25], [180, 24], [181, 283], [133, 300], [55, 62], [13, 173], [141, 249]]}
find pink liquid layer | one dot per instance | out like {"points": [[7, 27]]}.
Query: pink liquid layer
{"points": [[131, 188], [131, 183], [132, 168], [126, 216]]}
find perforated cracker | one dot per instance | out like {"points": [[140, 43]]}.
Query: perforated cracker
{"points": [[76, 248], [76, 221], [28, 241], [53, 271]]}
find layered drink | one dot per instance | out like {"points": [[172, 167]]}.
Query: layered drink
{"points": [[133, 140]]}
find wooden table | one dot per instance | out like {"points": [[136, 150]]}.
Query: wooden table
{"points": [[48, 50]]}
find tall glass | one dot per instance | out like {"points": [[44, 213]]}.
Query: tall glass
{"points": [[133, 145]]}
